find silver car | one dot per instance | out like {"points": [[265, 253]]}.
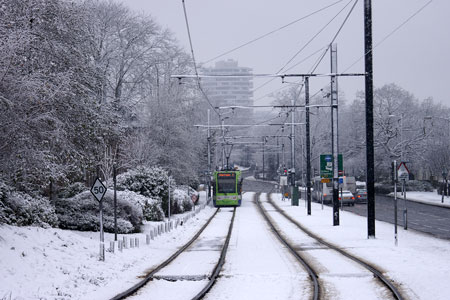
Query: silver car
{"points": [[347, 198], [361, 196]]}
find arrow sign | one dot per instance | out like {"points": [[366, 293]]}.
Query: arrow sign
{"points": [[98, 190], [403, 172]]}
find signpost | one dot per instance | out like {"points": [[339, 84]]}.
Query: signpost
{"points": [[395, 179], [403, 175], [328, 170], [98, 189], [326, 165]]}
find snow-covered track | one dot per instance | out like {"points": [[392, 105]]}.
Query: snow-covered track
{"points": [[220, 263], [376, 273], [153, 274], [310, 270]]}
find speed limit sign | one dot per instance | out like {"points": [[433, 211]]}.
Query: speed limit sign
{"points": [[98, 190]]}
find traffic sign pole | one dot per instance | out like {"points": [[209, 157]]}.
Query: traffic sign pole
{"points": [[405, 211], [394, 170], [98, 189], [403, 175]]}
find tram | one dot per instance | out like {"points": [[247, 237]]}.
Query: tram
{"points": [[227, 188]]}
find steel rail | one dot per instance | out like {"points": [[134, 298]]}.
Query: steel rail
{"points": [[149, 275], [220, 263], [378, 274], [312, 273]]}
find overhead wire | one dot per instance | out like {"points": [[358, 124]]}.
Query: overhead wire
{"points": [[272, 32], [387, 36], [195, 63], [332, 40], [392, 32], [304, 46], [312, 38], [335, 36]]}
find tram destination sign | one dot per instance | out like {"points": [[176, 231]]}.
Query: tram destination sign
{"points": [[326, 165], [98, 189]]}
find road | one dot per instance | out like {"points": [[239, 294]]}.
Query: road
{"points": [[421, 217]]}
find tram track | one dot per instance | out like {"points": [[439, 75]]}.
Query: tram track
{"points": [[309, 269], [211, 279], [390, 289]]}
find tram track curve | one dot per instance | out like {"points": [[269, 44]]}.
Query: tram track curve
{"points": [[396, 294], [149, 276]]}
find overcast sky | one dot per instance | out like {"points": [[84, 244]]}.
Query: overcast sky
{"points": [[416, 57]]}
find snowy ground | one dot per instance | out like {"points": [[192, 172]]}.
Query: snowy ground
{"points": [[418, 263], [41, 263], [425, 197], [257, 266]]}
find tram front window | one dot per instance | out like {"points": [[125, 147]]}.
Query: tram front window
{"points": [[226, 185]]}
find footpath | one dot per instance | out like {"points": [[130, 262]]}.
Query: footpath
{"points": [[432, 198]]}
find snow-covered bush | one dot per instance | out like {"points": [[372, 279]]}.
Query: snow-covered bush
{"points": [[181, 201], [17, 208], [151, 182], [82, 213], [151, 208]]}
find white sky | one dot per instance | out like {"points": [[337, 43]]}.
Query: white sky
{"points": [[416, 57]]}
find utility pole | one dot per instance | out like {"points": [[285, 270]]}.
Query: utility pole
{"points": [[293, 144], [370, 156], [223, 146], [308, 150], [263, 143], [278, 156], [334, 134], [209, 156]]}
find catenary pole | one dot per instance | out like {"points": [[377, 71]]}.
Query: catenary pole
{"points": [[308, 149], [370, 157], [293, 145], [209, 156], [334, 134]]}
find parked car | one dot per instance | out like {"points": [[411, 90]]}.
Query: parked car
{"points": [[361, 196], [347, 198]]}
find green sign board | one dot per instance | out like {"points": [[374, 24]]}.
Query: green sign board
{"points": [[326, 165]]}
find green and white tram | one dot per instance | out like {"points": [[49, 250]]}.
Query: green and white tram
{"points": [[227, 188]]}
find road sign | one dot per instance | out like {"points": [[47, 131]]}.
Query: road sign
{"points": [[402, 172], [98, 189], [326, 165], [283, 180]]}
